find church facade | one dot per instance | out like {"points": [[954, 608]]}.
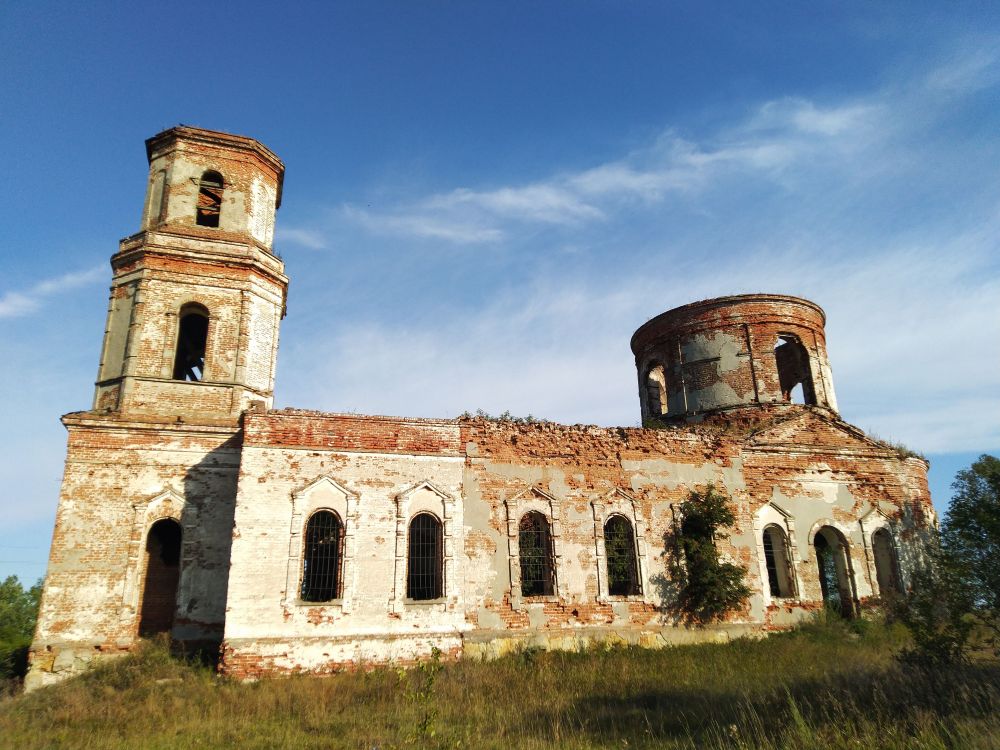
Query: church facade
{"points": [[303, 541]]}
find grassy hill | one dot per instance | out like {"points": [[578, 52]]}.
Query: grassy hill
{"points": [[825, 686]]}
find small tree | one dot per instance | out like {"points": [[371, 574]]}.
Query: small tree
{"points": [[18, 612], [970, 539], [958, 586], [708, 589], [935, 611]]}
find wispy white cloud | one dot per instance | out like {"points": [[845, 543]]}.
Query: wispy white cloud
{"points": [[310, 238], [970, 69], [778, 135], [423, 225], [15, 304]]}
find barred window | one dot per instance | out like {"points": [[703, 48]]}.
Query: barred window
{"points": [[321, 561], [535, 551], [210, 192], [424, 556], [619, 546]]}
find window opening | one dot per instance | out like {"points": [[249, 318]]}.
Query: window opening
{"points": [[322, 557], [619, 547], [210, 192], [779, 572], [886, 565], [794, 371], [656, 390], [535, 553], [192, 338], [163, 570], [834, 571], [423, 578]]}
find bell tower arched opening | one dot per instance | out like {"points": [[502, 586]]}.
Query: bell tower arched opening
{"points": [[656, 390], [192, 341], [794, 371], [210, 190]]}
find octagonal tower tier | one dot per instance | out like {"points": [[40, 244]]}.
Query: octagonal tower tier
{"points": [[734, 352]]}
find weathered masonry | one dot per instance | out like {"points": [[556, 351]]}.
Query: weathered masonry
{"points": [[306, 541]]}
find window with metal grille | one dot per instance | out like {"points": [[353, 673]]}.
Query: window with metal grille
{"points": [[424, 557], [192, 340], [619, 547], [210, 192], [322, 557], [535, 552]]}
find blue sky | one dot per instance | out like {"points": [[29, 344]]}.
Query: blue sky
{"points": [[484, 200]]}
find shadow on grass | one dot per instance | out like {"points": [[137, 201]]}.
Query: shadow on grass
{"points": [[901, 696]]}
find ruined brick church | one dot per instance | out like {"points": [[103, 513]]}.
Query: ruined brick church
{"points": [[307, 541]]}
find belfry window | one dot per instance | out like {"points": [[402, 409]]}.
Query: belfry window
{"points": [[619, 546], [210, 192], [424, 559], [535, 552], [656, 390], [794, 370], [192, 339], [322, 557]]}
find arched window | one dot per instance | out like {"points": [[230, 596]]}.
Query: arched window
{"points": [[210, 192], [656, 390], [779, 571], [886, 565], [535, 553], [794, 371], [424, 558], [835, 574], [192, 338], [163, 572], [619, 547], [322, 557]]}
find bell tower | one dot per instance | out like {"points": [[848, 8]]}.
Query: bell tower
{"points": [[197, 294]]}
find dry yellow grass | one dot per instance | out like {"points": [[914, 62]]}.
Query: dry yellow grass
{"points": [[826, 686]]}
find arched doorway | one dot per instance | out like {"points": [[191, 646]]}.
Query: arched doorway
{"points": [[836, 574], [163, 571]]}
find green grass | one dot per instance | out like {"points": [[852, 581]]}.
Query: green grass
{"points": [[825, 686]]}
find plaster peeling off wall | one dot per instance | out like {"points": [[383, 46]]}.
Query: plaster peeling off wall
{"points": [[261, 219]]}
